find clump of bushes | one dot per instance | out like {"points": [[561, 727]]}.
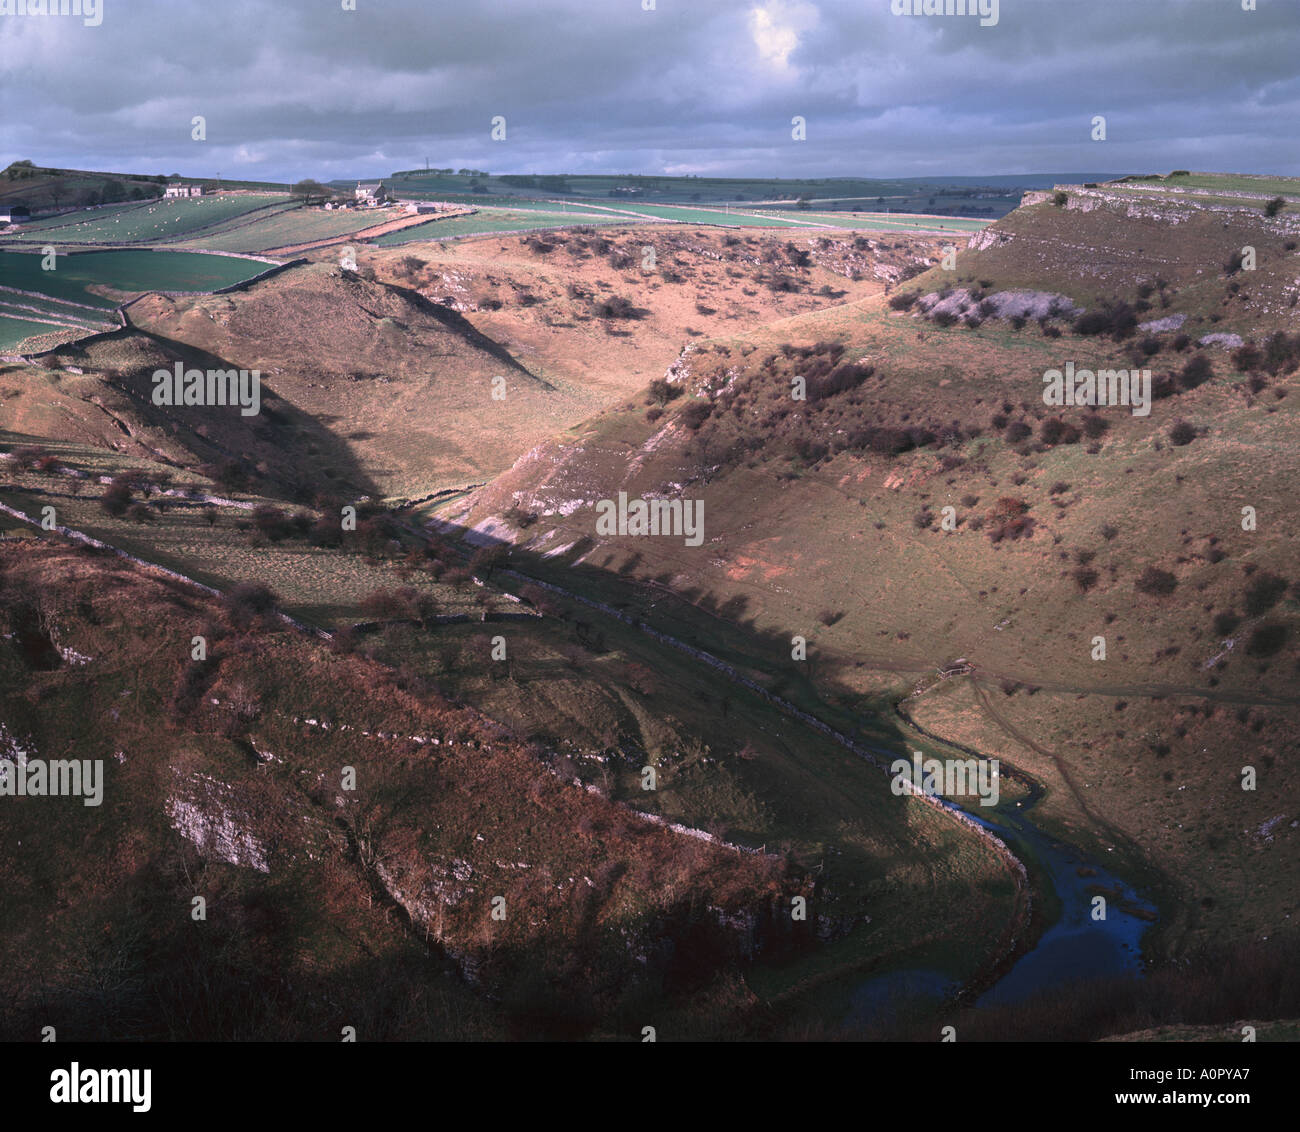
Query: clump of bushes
{"points": [[1055, 431], [520, 517], [1281, 354], [845, 376], [1225, 622], [1263, 592], [1094, 426], [662, 391], [1156, 582], [1009, 519], [1266, 639], [245, 602], [696, 413], [117, 497], [1196, 372], [779, 282], [617, 307], [1114, 317]]}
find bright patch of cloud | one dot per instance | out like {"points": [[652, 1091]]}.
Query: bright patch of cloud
{"points": [[775, 29]]}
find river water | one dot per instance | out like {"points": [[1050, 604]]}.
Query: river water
{"points": [[1074, 946]]}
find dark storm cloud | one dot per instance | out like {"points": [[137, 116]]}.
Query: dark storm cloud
{"points": [[293, 88]]}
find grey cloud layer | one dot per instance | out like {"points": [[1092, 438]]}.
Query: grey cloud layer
{"points": [[295, 88]]}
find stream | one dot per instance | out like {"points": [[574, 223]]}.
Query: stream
{"points": [[1074, 946]]}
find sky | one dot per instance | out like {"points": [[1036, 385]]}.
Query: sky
{"points": [[307, 88]]}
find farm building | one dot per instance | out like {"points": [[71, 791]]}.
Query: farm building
{"points": [[422, 206], [14, 214], [371, 195], [179, 190]]}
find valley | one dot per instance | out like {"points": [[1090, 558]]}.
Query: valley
{"points": [[755, 503]]}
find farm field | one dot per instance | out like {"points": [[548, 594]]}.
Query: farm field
{"points": [[47, 307], [16, 330], [891, 221], [50, 315], [144, 223], [281, 228], [284, 228], [84, 277], [541, 204], [1231, 182], [236, 223], [492, 220], [54, 317], [711, 216], [104, 214]]}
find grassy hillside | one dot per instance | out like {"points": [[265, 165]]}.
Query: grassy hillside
{"points": [[893, 882], [825, 518], [311, 885]]}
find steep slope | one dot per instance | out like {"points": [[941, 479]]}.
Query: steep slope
{"points": [[355, 840], [1119, 588]]}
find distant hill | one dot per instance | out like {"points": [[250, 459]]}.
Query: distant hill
{"points": [[41, 188]]}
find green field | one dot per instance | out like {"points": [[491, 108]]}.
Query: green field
{"points": [[894, 220], [27, 310], [234, 225], [50, 307], [15, 330], [1233, 183], [710, 216], [69, 220], [491, 220], [533, 215], [141, 223], [124, 271], [540, 204], [276, 229]]}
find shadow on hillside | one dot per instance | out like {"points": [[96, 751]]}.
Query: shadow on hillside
{"points": [[696, 618], [293, 454], [459, 324]]}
